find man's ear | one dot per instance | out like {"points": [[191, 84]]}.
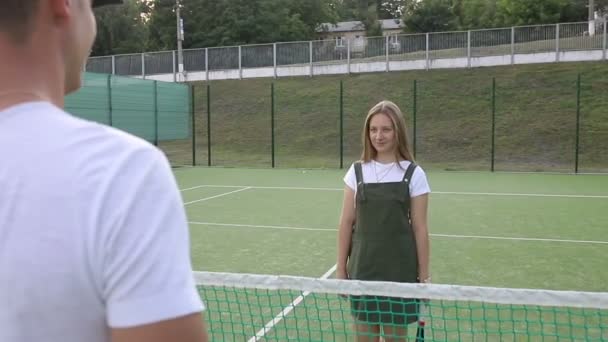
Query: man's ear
{"points": [[61, 8]]}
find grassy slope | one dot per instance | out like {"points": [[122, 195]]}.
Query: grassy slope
{"points": [[535, 117]]}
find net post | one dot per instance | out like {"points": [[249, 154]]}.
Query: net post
{"points": [[341, 124], [193, 119], [155, 113], [272, 151], [493, 148], [208, 124], [578, 120]]}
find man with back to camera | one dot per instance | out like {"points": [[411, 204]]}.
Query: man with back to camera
{"points": [[94, 242]]}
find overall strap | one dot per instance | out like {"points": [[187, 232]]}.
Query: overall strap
{"points": [[359, 177], [407, 180], [409, 172], [358, 172]]}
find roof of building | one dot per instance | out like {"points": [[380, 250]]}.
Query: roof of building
{"points": [[350, 26]]}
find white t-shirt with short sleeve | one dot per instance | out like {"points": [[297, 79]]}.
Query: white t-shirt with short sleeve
{"points": [[376, 172], [93, 231]]}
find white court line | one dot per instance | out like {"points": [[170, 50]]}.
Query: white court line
{"points": [[258, 226], [216, 196], [278, 318], [434, 192], [437, 235]]}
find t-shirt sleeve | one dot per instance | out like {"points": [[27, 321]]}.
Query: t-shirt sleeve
{"points": [[147, 273], [350, 179], [419, 185]]}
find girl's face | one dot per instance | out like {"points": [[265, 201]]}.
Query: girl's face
{"points": [[382, 133]]}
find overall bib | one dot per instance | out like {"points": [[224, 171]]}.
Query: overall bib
{"points": [[383, 248]]}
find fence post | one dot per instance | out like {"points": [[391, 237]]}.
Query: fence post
{"points": [[414, 109], [310, 56], [493, 152], [156, 113], [512, 45], [174, 71], [143, 66], [427, 52], [208, 125], [557, 42], [207, 64], [605, 41], [469, 48], [578, 121], [193, 116], [272, 148], [348, 55], [341, 124], [110, 100], [387, 55], [113, 65], [240, 63], [274, 58]]}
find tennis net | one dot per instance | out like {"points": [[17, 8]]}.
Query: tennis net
{"points": [[250, 307]]}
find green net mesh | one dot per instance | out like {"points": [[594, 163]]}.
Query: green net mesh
{"points": [[246, 307]]}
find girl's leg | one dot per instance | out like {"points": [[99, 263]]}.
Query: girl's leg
{"points": [[367, 332], [393, 333]]}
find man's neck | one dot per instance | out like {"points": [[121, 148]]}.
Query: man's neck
{"points": [[27, 77]]}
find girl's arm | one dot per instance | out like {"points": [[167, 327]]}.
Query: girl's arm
{"points": [[345, 230], [419, 208]]}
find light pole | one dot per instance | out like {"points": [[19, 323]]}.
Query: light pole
{"points": [[180, 39], [591, 18]]}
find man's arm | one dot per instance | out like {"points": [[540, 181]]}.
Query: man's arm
{"points": [[189, 328], [146, 273]]}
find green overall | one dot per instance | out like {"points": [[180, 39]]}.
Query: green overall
{"points": [[383, 248]]}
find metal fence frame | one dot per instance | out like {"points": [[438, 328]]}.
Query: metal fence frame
{"points": [[517, 40]]}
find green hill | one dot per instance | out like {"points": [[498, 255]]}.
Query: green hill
{"points": [[535, 107]]}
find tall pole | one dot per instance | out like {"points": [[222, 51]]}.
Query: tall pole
{"points": [[180, 38], [591, 17]]}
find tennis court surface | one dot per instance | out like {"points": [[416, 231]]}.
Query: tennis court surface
{"points": [[492, 234]]}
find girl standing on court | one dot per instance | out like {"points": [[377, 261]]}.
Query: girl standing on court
{"points": [[383, 233]]}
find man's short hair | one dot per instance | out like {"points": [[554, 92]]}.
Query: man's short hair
{"points": [[16, 17]]}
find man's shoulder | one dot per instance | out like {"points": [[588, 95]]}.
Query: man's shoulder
{"points": [[109, 140], [94, 146]]}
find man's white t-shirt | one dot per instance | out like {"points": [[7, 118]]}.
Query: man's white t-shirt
{"points": [[93, 231], [376, 172]]}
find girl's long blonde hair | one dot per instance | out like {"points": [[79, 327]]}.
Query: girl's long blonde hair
{"points": [[402, 150]]}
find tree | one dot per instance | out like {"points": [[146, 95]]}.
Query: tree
{"points": [[390, 9], [525, 12], [210, 23], [430, 16], [475, 14], [120, 29]]}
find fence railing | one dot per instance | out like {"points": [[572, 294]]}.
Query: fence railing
{"points": [[521, 40]]}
